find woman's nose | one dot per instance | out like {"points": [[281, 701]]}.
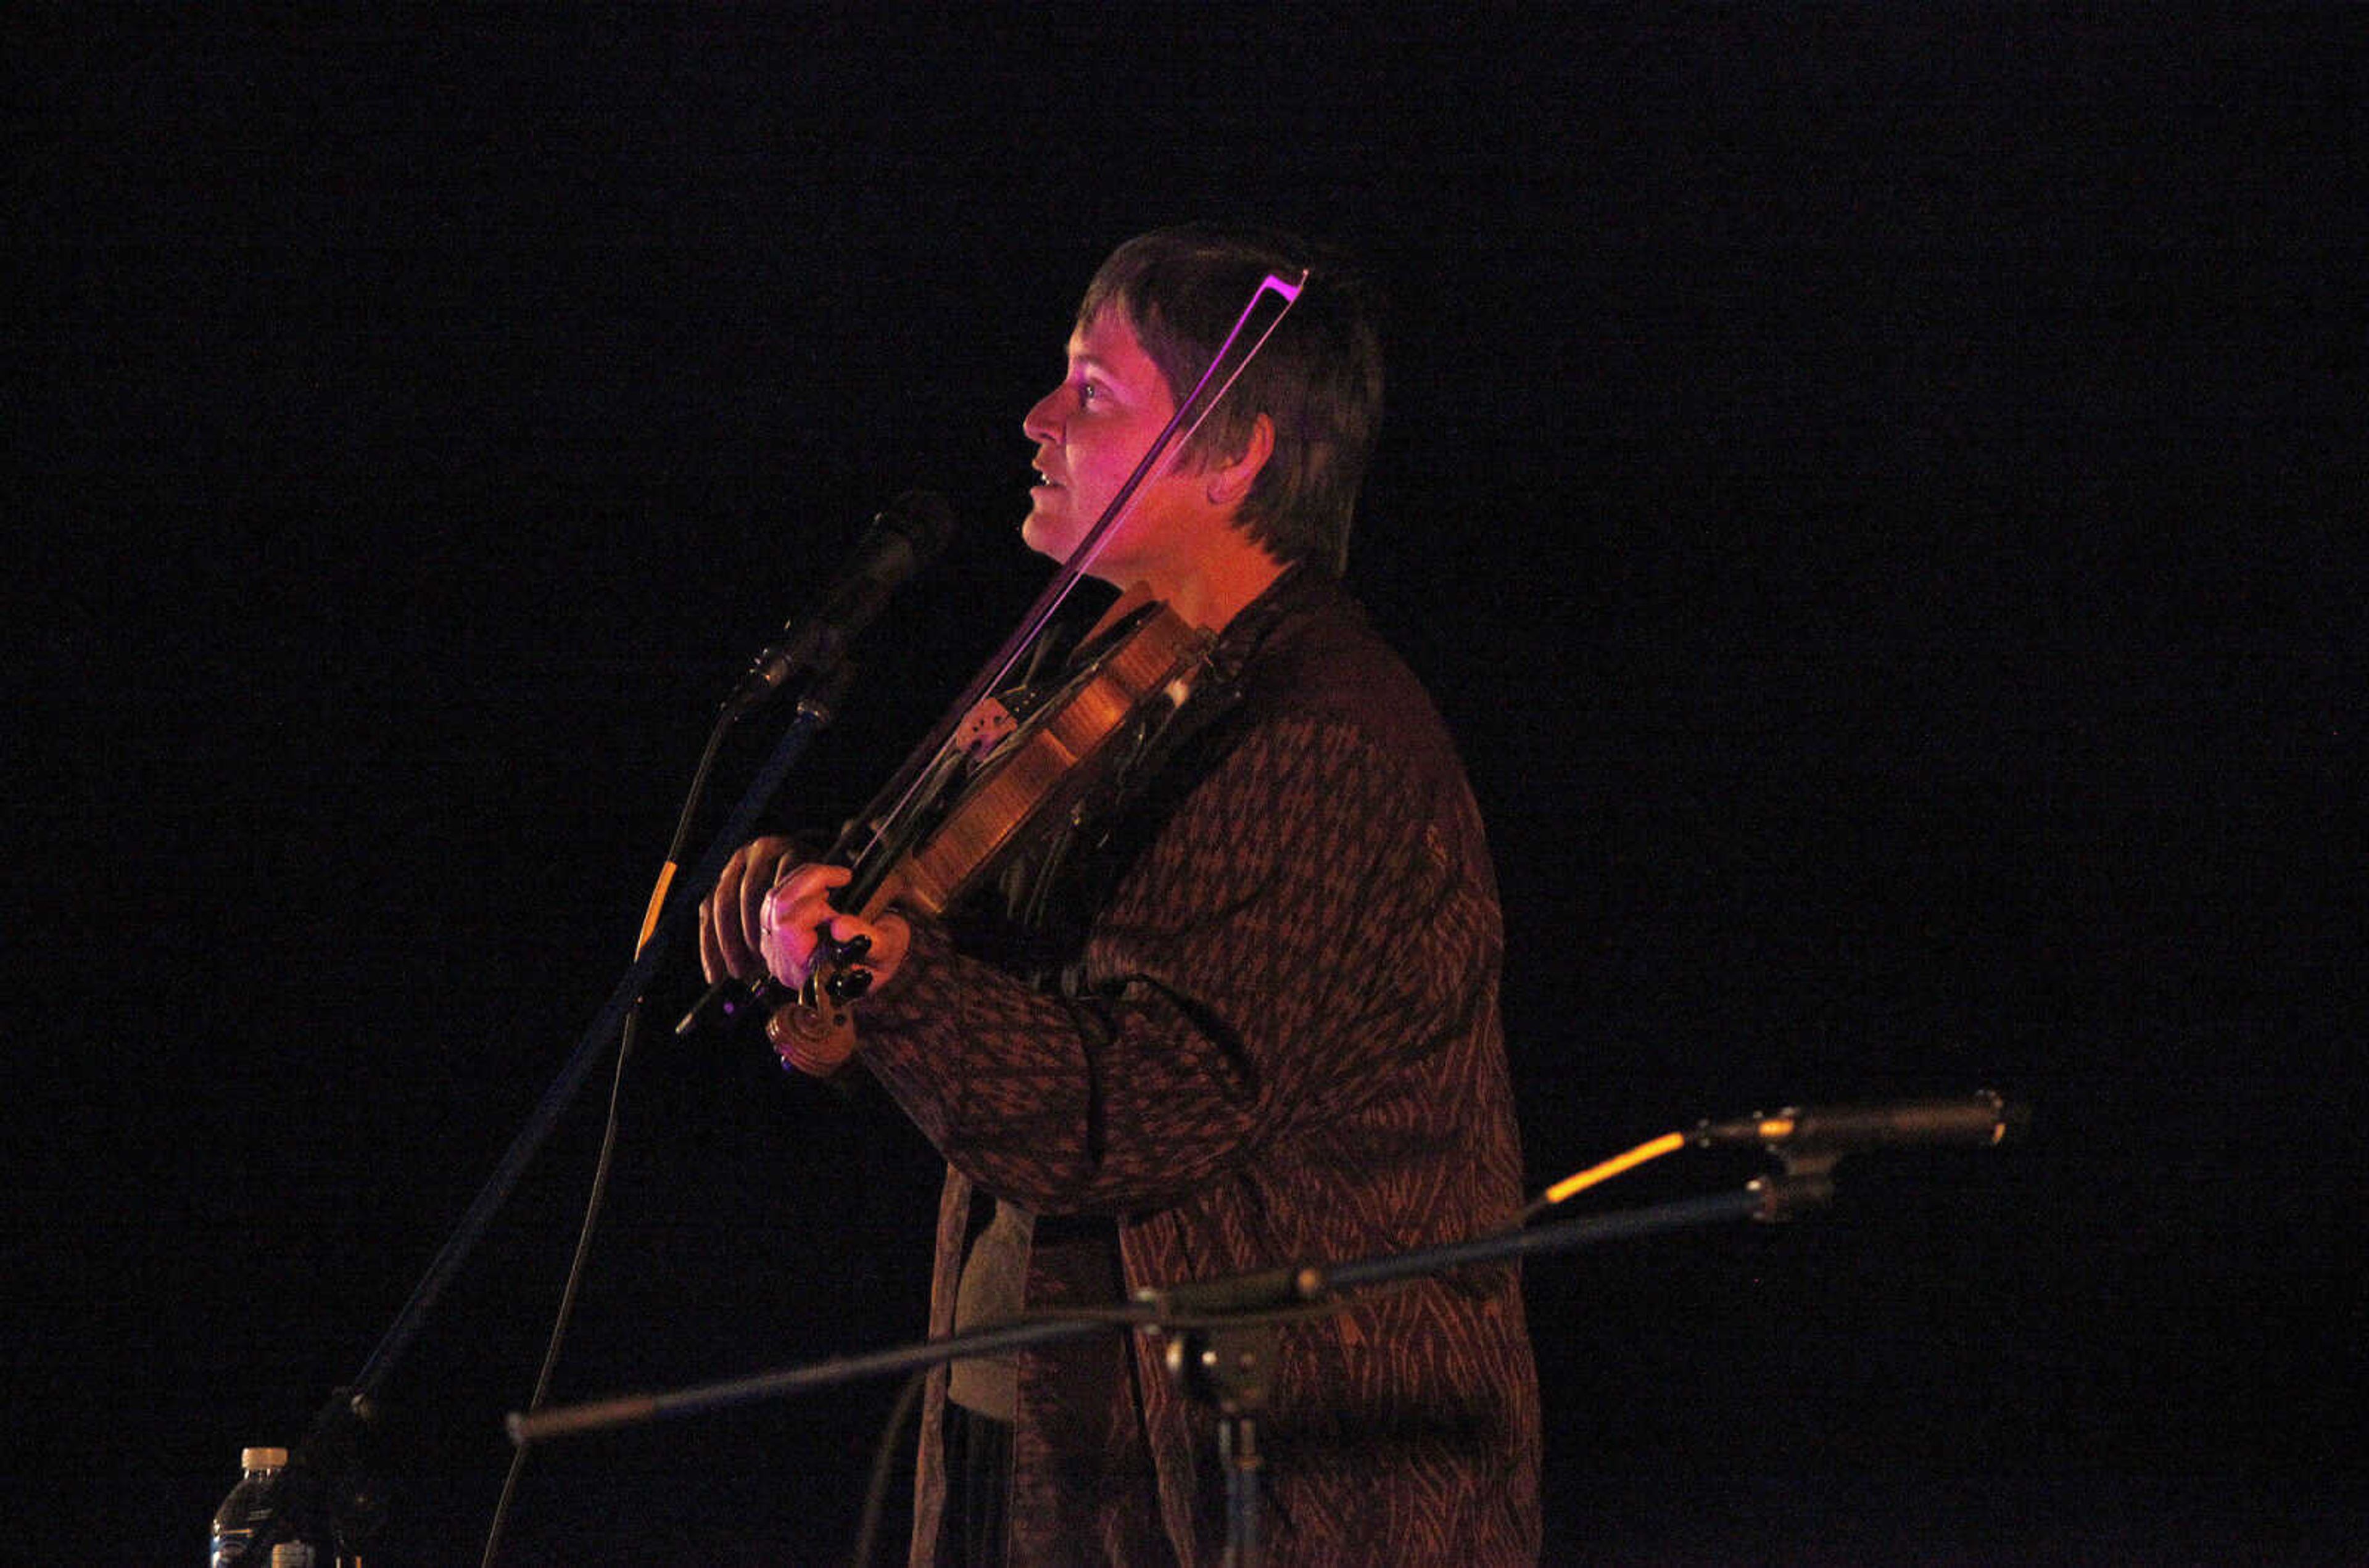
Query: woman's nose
{"points": [[1042, 422]]}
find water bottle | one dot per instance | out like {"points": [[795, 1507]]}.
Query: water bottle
{"points": [[247, 1510]]}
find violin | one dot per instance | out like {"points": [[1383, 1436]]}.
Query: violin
{"points": [[1010, 781], [1007, 766]]}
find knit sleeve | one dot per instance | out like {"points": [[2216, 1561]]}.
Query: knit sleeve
{"points": [[1297, 932]]}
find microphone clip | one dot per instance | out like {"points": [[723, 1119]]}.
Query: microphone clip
{"points": [[1805, 1181]]}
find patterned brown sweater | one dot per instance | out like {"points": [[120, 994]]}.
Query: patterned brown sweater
{"points": [[1279, 1044]]}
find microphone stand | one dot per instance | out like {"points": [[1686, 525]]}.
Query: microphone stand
{"points": [[324, 1474], [1220, 1353]]}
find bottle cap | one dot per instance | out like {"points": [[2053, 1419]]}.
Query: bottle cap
{"points": [[262, 1458]]}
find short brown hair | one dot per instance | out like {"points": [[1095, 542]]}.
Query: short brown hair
{"points": [[1319, 380]]}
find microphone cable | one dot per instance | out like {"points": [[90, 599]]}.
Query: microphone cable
{"points": [[884, 1460], [1572, 1185], [596, 1198]]}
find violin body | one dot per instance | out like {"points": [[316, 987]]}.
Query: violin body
{"points": [[996, 788]]}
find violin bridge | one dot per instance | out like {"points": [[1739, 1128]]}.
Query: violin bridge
{"points": [[984, 728]]}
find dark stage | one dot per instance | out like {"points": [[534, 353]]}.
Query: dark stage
{"points": [[1875, 496]]}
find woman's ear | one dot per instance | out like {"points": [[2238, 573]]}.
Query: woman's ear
{"points": [[1230, 482]]}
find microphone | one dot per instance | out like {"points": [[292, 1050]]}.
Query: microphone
{"points": [[908, 534], [1980, 1120]]}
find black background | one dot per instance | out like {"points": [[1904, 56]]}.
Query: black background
{"points": [[1873, 495]]}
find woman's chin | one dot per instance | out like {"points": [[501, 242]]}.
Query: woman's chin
{"points": [[1047, 536]]}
